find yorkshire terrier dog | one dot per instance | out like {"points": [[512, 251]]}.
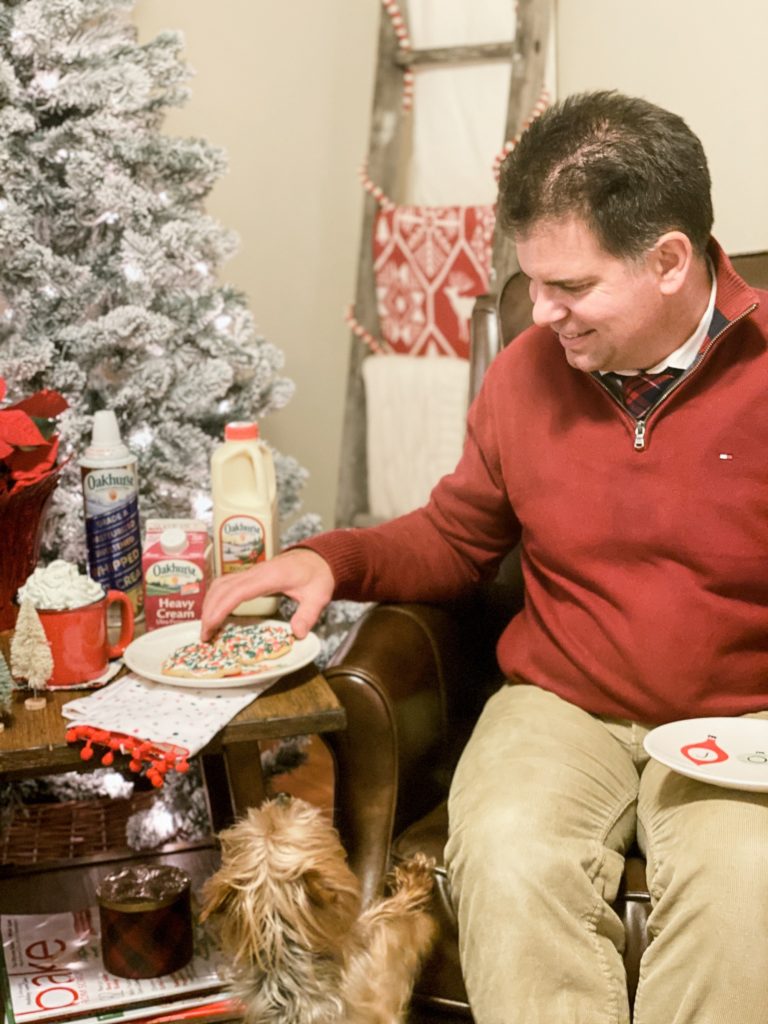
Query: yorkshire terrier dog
{"points": [[289, 913]]}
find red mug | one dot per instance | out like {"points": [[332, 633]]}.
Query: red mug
{"points": [[79, 640]]}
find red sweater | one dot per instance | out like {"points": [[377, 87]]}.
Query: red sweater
{"points": [[646, 569]]}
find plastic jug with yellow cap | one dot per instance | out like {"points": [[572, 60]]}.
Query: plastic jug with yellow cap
{"points": [[244, 494]]}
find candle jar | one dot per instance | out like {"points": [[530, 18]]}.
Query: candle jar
{"points": [[146, 920]]}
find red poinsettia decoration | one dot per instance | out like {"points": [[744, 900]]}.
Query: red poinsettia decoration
{"points": [[29, 445]]}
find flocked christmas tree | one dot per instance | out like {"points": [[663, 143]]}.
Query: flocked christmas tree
{"points": [[110, 290], [109, 282]]}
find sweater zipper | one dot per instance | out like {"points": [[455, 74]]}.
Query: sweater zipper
{"points": [[640, 425], [639, 435]]}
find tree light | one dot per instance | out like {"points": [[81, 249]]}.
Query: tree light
{"points": [[142, 437], [46, 81], [132, 272], [201, 505]]}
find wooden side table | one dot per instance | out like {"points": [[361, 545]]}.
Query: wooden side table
{"points": [[301, 703]]}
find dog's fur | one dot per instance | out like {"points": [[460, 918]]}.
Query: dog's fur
{"points": [[290, 916]]}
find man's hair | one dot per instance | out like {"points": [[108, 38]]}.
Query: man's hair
{"points": [[629, 169]]}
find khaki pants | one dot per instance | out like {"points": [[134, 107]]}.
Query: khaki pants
{"points": [[545, 802]]}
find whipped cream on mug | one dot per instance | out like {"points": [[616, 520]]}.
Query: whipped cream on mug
{"points": [[60, 585]]}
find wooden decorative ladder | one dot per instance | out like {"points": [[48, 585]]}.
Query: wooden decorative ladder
{"points": [[527, 54]]}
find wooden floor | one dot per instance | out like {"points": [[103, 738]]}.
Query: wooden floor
{"points": [[313, 780]]}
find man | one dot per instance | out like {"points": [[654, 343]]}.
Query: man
{"points": [[641, 504]]}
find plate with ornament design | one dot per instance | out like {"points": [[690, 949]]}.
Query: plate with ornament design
{"points": [[729, 752], [146, 654]]}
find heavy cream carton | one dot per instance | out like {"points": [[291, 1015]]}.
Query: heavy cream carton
{"points": [[177, 570]]}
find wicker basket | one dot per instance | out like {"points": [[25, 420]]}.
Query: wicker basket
{"points": [[44, 833]]}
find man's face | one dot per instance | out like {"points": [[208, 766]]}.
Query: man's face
{"points": [[607, 312]]}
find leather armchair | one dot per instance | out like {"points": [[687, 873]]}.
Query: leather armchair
{"points": [[412, 685], [413, 679]]}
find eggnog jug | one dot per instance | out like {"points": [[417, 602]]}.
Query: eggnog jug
{"points": [[244, 495]]}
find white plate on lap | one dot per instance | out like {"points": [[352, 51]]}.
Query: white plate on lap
{"points": [[146, 655], [729, 752]]}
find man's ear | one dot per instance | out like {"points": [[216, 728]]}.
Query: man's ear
{"points": [[672, 258]]}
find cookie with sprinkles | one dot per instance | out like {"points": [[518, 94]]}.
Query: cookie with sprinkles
{"points": [[257, 643], [238, 631], [201, 661], [277, 640], [246, 649], [253, 644]]}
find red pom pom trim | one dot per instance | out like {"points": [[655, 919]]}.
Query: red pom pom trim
{"points": [[155, 759]]}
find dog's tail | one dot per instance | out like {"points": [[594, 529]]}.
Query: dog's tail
{"points": [[396, 935]]}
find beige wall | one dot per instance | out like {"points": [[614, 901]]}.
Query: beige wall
{"points": [[285, 87], [704, 59]]}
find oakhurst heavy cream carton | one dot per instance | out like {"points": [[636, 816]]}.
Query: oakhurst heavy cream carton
{"points": [[177, 569]]}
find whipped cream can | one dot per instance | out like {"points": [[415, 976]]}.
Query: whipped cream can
{"points": [[176, 570], [111, 502]]}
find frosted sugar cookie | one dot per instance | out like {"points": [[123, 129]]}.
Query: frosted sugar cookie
{"points": [[201, 661], [247, 650], [252, 644], [277, 640]]}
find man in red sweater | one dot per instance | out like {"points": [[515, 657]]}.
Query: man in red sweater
{"points": [[621, 442]]}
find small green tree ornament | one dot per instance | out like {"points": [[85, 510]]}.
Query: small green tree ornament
{"points": [[6, 692], [31, 657]]}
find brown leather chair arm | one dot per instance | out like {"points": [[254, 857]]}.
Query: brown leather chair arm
{"points": [[393, 674]]}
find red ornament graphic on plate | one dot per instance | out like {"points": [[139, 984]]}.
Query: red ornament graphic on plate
{"points": [[704, 752]]}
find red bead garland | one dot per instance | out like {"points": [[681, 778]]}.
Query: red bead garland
{"points": [[376, 346], [398, 24], [539, 107], [157, 758]]}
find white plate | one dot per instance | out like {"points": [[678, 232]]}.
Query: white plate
{"points": [[146, 655], [730, 752]]}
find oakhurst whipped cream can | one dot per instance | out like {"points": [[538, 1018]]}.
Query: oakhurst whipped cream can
{"points": [[111, 501]]}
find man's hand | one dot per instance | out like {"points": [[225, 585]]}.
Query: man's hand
{"points": [[300, 574]]}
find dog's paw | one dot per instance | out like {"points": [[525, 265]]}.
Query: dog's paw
{"points": [[414, 876]]}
